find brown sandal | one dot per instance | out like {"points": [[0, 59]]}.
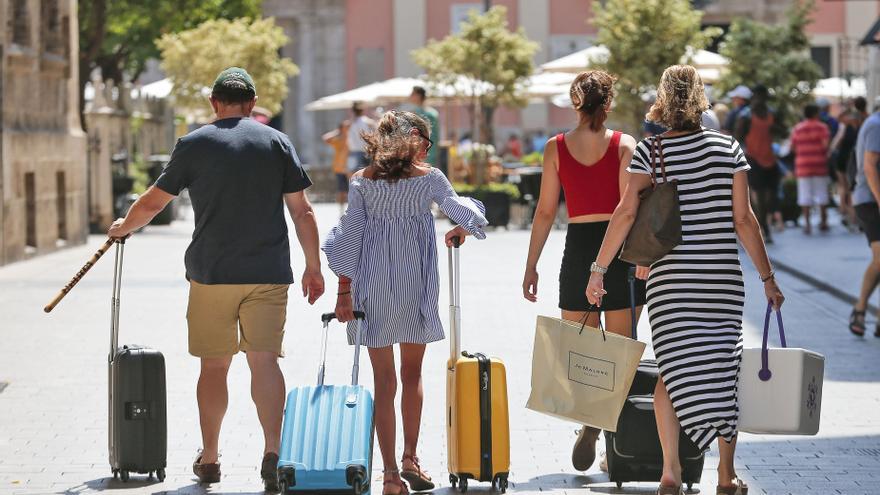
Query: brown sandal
{"points": [[669, 490], [738, 488], [418, 480], [401, 486]]}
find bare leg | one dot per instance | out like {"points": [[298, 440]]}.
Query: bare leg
{"points": [[808, 228], [267, 392], [823, 216], [213, 397], [726, 469], [620, 321], [385, 383], [871, 278], [411, 356], [669, 430]]}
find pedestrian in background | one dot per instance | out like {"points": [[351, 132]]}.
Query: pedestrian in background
{"points": [[755, 125], [240, 175], [360, 125], [809, 141], [513, 148], [418, 105], [866, 197], [696, 292], [739, 100], [852, 119], [338, 140], [384, 252], [589, 164]]}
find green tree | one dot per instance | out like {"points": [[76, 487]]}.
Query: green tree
{"points": [[485, 61], [119, 36], [193, 58], [776, 56], [643, 38]]}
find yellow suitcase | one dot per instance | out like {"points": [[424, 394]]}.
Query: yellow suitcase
{"points": [[477, 425]]}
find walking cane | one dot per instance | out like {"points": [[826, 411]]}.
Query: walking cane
{"points": [[80, 274]]}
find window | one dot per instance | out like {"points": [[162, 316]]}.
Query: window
{"points": [[51, 27], [566, 44], [30, 207], [822, 56], [21, 23], [61, 205], [459, 12]]}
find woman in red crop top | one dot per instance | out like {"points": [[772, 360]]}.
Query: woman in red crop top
{"points": [[589, 164]]}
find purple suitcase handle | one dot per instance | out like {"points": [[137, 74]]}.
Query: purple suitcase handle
{"points": [[765, 374]]}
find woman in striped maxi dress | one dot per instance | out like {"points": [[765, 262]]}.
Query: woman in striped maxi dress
{"points": [[696, 292], [384, 252]]}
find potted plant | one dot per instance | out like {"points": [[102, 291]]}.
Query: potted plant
{"points": [[496, 196]]}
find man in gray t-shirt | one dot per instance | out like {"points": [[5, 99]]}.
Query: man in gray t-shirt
{"points": [[240, 175], [866, 196]]}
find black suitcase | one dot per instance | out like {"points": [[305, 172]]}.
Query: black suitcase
{"points": [[138, 427], [633, 453]]}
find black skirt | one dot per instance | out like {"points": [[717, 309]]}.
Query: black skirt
{"points": [[582, 243]]}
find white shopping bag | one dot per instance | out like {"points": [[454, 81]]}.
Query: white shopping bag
{"points": [[780, 390], [581, 373]]}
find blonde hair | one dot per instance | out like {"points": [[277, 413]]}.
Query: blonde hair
{"points": [[681, 100], [590, 93], [392, 147]]}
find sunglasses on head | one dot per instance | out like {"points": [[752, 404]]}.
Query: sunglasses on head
{"points": [[426, 138]]}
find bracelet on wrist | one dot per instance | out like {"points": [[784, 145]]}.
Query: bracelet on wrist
{"points": [[597, 268], [769, 276], [343, 293]]}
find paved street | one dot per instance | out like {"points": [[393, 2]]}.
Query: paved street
{"points": [[53, 413]]}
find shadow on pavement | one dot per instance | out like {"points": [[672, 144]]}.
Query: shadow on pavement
{"points": [[110, 484]]}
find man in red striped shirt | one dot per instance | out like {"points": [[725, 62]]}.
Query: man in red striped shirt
{"points": [[809, 141]]}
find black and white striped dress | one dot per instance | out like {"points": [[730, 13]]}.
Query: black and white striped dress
{"points": [[386, 244], [696, 293]]}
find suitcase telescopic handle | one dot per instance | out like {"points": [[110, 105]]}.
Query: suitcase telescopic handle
{"points": [[454, 300], [114, 300], [326, 318]]}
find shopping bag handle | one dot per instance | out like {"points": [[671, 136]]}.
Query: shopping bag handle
{"points": [[764, 374], [583, 320]]}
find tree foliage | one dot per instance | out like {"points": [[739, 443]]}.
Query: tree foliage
{"points": [[775, 56], [193, 58], [494, 60], [119, 36], [643, 38]]}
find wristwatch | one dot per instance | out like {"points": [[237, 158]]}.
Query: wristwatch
{"points": [[597, 268]]}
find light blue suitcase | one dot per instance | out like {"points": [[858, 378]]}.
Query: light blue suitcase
{"points": [[327, 437]]}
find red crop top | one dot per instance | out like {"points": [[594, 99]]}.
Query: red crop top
{"points": [[590, 189]]}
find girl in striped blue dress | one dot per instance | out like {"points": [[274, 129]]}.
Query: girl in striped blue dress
{"points": [[385, 254]]}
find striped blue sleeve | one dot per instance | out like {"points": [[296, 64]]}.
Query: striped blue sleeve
{"points": [[466, 212], [345, 241]]}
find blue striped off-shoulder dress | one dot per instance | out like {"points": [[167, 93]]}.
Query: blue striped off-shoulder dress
{"points": [[386, 244]]}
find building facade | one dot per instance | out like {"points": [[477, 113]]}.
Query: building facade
{"points": [[42, 145], [342, 44]]}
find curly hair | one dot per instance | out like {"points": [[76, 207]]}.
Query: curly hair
{"points": [[681, 99], [392, 148], [590, 93]]}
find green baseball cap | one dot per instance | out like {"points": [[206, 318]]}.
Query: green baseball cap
{"points": [[234, 78]]}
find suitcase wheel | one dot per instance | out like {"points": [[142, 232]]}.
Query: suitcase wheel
{"points": [[690, 487], [500, 483], [283, 486], [462, 485], [619, 485], [124, 476], [160, 474], [453, 480]]}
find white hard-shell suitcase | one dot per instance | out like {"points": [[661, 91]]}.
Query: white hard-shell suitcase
{"points": [[780, 390]]}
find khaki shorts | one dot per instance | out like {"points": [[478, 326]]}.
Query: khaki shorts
{"points": [[218, 314]]}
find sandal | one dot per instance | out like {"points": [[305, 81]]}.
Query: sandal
{"points": [[401, 486], [418, 480], [857, 322], [670, 490], [738, 488]]}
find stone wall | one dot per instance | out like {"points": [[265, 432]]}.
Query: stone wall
{"points": [[121, 121], [42, 146]]}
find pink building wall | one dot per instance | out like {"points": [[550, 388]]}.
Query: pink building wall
{"points": [[369, 24], [830, 17], [438, 14], [571, 17]]}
